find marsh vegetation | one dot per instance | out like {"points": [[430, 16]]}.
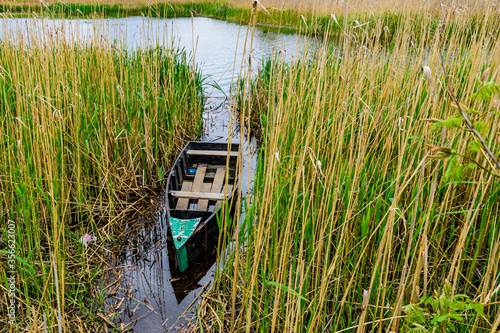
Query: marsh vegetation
{"points": [[362, 206], [88, 133], [355, 215]]}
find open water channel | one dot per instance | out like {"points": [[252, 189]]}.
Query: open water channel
{"points": [[155, 297]]}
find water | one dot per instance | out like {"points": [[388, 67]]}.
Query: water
{"points": [[149, 297]]}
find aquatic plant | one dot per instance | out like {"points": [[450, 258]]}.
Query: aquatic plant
{"points": [[436, 313], [350, 211], [314, 17], [86, 134]]}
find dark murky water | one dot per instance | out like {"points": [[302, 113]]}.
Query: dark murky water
{"points": [[152, 297]]}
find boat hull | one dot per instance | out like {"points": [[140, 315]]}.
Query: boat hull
{"points": [[206, 232]]}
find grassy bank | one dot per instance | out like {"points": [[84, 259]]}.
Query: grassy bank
{"points": [[87, 133], [352, 217]]}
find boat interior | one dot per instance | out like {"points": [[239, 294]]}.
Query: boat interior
{"points": [[203, 175]]}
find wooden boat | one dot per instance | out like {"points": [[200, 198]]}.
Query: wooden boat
{"points": [[203, 176]]}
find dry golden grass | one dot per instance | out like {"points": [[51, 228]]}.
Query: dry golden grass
{"points": [[337, 7], [351, 217], [87, 131]]}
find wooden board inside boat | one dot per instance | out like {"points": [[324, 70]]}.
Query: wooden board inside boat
{"points": [[202, 192]]}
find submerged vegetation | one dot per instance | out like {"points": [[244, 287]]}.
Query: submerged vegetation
{"points": [[356, 216], [87, 134]]}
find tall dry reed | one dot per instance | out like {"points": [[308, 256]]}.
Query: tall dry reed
{"points": [[87, 133], [351, 217]]}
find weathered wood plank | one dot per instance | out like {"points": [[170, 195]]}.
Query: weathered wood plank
{"points": [[211, 172], [199, 177], [197, 195], [218, 184], [218, 180], [219, 166], [183, 203], [219, 202], [203, 203], [212, 152]]}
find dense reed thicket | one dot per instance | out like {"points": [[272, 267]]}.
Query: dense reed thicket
{"points": [[434, 7], [87, 131], [352, 217], [310, 17]]}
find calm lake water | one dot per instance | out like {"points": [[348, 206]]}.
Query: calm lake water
{"points": [[154, 297]]}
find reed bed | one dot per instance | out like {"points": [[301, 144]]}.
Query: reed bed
{"points": [[352, 218], [436, 7], [87, 133], [310, 17]]}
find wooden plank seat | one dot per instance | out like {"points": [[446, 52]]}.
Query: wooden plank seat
{"points": [[212, 152], [197, 195]]}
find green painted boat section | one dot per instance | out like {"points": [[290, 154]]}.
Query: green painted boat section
{"points": [[182, 259], [182, 230]]}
